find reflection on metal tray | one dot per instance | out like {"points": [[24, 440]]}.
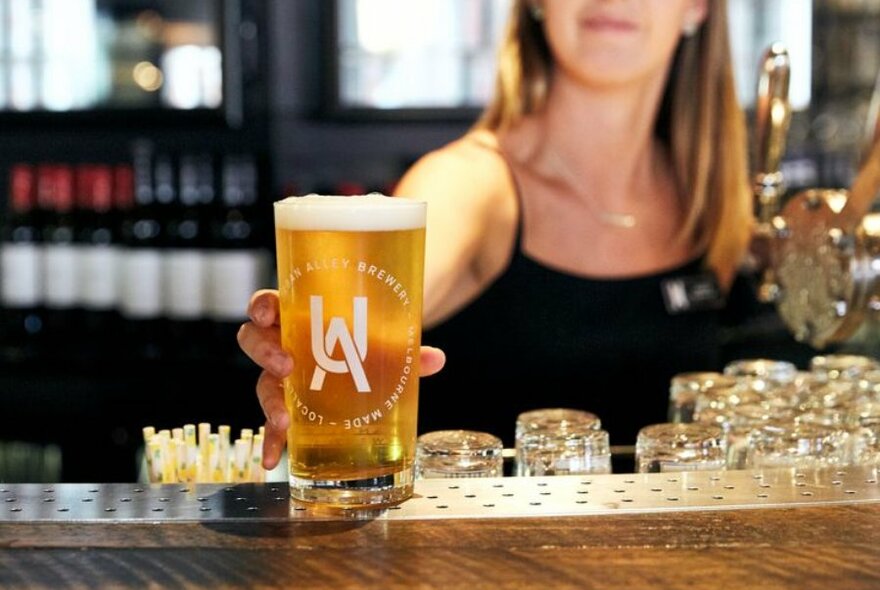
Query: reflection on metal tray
{"points": [[504, 497]]}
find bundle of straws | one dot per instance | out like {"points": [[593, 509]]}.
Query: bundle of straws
{"points": [[174, 456]]}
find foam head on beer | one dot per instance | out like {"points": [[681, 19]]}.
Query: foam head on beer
{"points": [[371, 212], [350, 271]]}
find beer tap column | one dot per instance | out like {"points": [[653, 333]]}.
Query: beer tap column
{"points": [[772, 120]]}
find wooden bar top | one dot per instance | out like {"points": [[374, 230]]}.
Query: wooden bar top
{"points": [[805, 547]]}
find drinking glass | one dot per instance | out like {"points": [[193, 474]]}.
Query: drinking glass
{"points": [[684, 389], [459, 453], [680, 447], [350, 273], [742, 419], [868, 417], [793, 444], [779, 382], [718, 401], [830, 367], [762, 373], [561, 441]]}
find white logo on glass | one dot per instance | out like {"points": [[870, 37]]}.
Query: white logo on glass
{"points": [[354, 350]]}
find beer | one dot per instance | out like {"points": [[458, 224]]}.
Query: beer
{"points": [[350, 275]]}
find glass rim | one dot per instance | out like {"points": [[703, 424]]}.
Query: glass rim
{"points": [[365, 200], [762, 368], [680, 435], [542, 418]]}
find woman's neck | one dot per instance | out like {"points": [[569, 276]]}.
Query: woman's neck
{"points": [[607, 135]]}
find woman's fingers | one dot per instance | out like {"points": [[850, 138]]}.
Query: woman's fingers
{"points": [[263, 308], [263, 346], [273, 446], [271, 396], [432, 360]]}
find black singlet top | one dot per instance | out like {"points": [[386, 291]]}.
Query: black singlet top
{"points": [[540, 338]]}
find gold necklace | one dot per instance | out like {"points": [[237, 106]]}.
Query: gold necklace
{"points": [[609, 218]]}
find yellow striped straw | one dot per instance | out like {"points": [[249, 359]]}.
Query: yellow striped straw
{"points": [[258, 474], [154, 451], [149, 433], [225, 458], [215, 474], [247, 435], [204, 433], [192, 452], [241, 460], [180, 455], [169, 469]]}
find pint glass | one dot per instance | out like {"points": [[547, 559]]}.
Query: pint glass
{"points": [[350, 273]]}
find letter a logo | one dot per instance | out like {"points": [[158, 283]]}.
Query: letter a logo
{"points": [[354, 350]]}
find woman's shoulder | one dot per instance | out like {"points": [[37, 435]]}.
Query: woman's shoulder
{"points": [[471, 162], [480, 143]]}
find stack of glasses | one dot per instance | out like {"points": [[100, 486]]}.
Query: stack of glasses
{"points": [[175, 456], [773, 415], [549, 441]]}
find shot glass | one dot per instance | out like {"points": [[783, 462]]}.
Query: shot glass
{"points": [[681, 447], [831, 367], [713, 406], [868, 416], [350, 272], [684, 389], [560, 441], [762, 374], [868, 386], [744, 418], [459, 453], [798, 445]]}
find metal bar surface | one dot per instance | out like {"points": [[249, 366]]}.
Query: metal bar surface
{"points": [[503, 497]]}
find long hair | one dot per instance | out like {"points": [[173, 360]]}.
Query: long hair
{"points": [[700, 121]]}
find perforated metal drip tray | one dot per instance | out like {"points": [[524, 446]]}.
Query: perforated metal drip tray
{"points": [[507, 497]]}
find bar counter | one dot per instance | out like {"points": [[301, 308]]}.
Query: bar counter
{"points": [[750, 529]]}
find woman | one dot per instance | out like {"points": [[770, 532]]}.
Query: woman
{"points": [[607, 177]]}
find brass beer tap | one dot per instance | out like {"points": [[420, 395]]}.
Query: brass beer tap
{"points": [[772, 120], [827, 265]]}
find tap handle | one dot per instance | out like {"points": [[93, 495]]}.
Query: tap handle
{"points": [[772, 109], [872, 126], [863, 192]]}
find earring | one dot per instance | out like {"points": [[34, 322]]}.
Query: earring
{"points": [[537, 11], [689, 29]]}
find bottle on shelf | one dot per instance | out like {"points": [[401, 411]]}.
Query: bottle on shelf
{"points": [[123, 200], [140, 302], [185, 261], [239, 260], [98, 252], [55, 195], [20, 260]]}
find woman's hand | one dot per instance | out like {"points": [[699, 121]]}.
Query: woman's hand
{"points": [[260, 339]]}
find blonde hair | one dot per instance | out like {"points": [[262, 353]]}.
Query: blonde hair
{"points": [[701, 122]]}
